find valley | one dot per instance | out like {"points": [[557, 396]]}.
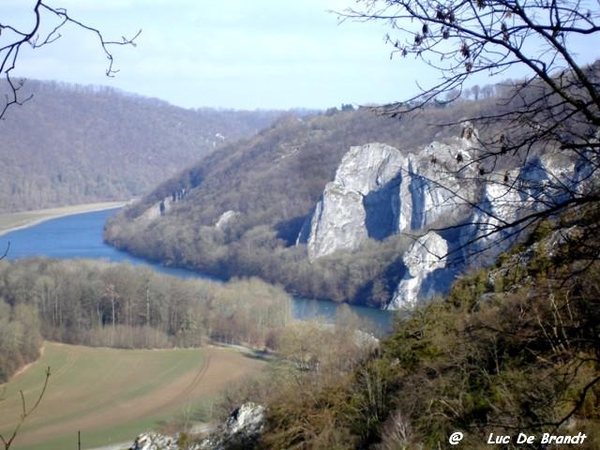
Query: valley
{"points": [[300, 206], [464, 216], [76, 144]]}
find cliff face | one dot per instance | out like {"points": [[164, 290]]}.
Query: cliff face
{"points": [[505, 197], [379, 191], [425, 273], [361, 201], [439, 183]]}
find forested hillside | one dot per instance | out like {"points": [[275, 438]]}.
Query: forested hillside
{"points": [[514, 349], [74, 144], [269, 183]]}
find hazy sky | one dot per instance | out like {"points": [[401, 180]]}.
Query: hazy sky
{"points": [[226, 53]]}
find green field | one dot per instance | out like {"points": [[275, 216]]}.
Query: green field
{"points": [[113, 395]]}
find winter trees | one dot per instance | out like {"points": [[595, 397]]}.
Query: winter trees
{"points": [[46, 26], [544, 136], [553, 109], [461, 39]]}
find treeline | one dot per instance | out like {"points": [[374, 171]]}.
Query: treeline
{"points": [[514, 349], [76, 144], [118, 305], [368, 275], [20, 338]]}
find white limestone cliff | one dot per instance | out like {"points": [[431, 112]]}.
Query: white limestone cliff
{"points": [[440, 184], [379, 191], [425, 256], [508, 196], [340, 219]]}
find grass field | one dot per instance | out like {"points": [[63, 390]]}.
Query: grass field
{"points": [[113, 395]]}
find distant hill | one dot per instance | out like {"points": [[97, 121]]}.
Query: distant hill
{"points": [[76, 144]]}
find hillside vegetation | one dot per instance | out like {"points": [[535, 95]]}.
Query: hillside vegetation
{"points": [[270, 182], [515, 349], [74, 144]]}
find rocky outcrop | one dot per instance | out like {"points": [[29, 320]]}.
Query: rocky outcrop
{"points": [[425, 271], [241, 429], [379, 191], [440, 184], [226, 219], [499, 203], [156, 441], [505, 197], [360, 202]]}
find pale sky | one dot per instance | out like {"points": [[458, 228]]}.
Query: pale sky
{"points": [[242, 54]]}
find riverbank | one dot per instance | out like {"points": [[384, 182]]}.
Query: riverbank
{"points": [[25, 219], [84, 240]]}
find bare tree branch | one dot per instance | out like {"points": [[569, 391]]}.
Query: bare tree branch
{"points": [[555, 109], [13, 40], [25, 412]]}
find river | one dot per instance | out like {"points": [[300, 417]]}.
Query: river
{"points": [[80, 236]]}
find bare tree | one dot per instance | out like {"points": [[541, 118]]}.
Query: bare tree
{"points": [[54, 19], [554, 109]]}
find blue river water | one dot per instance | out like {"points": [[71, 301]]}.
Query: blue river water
{"points": [[80, 236]]}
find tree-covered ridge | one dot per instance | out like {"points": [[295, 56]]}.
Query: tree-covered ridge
{"points": [[73, 144], [270, 183]]}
